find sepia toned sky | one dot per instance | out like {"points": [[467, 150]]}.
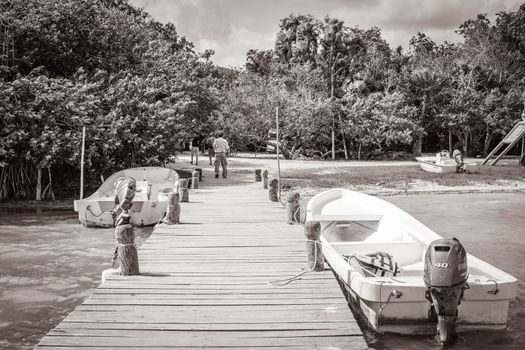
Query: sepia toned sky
{"points": [[232, 27]]}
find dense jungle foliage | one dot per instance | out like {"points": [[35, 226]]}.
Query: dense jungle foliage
{"points": [[140, 89]]}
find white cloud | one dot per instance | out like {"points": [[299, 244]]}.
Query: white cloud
{"points": [[232, 27]]}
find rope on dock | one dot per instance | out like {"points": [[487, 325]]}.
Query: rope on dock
{"points": [[284, 282]]}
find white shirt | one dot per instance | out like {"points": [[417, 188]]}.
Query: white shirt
{"points": [[221, 145]]}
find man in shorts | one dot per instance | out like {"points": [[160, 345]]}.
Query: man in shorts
{"points": [[222, 150]]}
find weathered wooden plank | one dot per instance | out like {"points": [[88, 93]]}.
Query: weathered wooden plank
{"points": [[212, 339], [206, 326]]}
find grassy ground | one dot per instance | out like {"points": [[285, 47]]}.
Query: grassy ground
{"points": [[403, 177]]}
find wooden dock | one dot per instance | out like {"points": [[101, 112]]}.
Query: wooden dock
{"points": [[204, 285]]}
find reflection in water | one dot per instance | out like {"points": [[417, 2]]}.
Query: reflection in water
{"points": [[48, 265]]}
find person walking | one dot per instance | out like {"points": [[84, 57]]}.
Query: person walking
{"points": [[222, 150], [195, 148], [209, 146]]}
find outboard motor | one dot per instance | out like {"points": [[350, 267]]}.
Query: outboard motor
{"points": [[124, 194], [445, 276]]}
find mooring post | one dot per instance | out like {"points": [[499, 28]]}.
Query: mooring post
{"points": [[257, 175], [195, 180], [274, 190], [126, 250], [292, 207], [183, 190], [265, 179], [173, 210], [200, 173], [314, 251], [302, 214]]}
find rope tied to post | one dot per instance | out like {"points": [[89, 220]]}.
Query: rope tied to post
{"points": [[307, 269]]}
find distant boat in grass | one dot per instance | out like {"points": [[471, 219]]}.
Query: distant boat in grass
{"points": [[441, 163], [153, 185], [402, 277]]}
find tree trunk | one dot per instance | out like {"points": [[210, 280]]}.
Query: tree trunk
{"points": [[465, 143], [486, 144], [333, 141], [51, 192], [418, 144], [39, 184], [450, 145], [343, 136], [359, 151], [332, 97]]}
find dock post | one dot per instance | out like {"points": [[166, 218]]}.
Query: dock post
{"points": [[257, 175], [292, 207], [126, 250], [314, 251], [302, 214], [183, 190], [195, 179], [173, 211], [200, 173], [274, 190], [265, 179]]}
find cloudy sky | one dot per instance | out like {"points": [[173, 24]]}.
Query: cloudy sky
{"points": [[232, 27]]}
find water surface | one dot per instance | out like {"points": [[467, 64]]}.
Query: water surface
{"points": [[490, 227], [48, 265]]}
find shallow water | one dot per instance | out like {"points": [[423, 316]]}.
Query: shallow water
{"points": [[49, 263]]}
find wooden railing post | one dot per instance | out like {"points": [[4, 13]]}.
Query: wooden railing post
{"points": [[274, 190], [257, 175], [195, 180], [314, 251], [292, 207], [173, 210], [265, 179], [183, 190], [126, 250]]}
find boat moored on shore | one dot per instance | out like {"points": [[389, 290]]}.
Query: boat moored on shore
{"points": [[152, 187], [400, 275]]}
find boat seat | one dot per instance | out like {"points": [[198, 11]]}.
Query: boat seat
{"points": [[141, 190], [415, 269]]}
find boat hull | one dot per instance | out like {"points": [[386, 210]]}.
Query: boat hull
{"points": [[354, 224], [150, 199], [429, 164], [417, 322], [93, 213]]}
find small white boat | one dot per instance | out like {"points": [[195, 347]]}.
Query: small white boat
{"points": [[385, 261], [153, 185], [442, 163]]}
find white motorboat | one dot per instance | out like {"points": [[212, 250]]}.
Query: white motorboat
{"points": [[153, 185], [442, 164], [400, 275]]}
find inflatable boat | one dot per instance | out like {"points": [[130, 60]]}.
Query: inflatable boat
{"points": [[400, 275]]}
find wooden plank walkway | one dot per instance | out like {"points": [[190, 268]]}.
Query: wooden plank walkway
{"points": [[204, 285]]}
